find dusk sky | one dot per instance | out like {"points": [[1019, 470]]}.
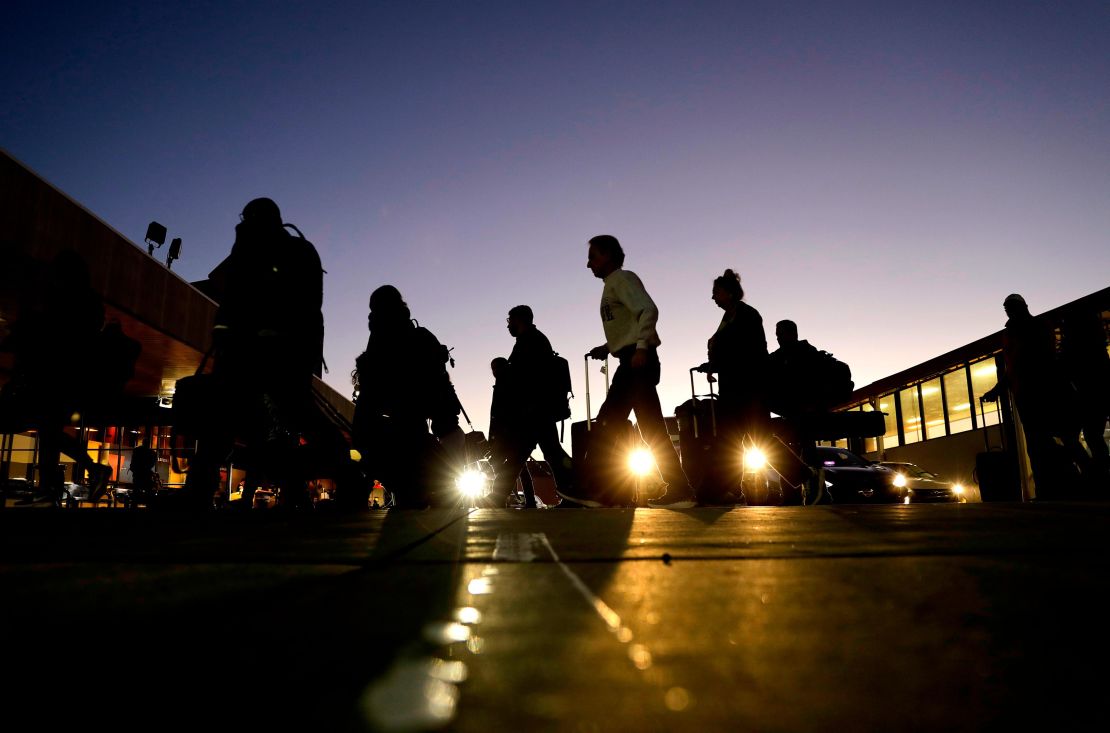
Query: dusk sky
{"points": [[882, 173]]}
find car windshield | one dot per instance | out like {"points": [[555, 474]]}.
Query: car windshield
{"points": [[833, 457], [911, 470]]}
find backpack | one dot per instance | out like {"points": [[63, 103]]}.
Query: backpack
{"points": [[558, 387], [833, 378]]}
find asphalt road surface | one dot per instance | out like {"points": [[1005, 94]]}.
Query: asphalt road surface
{"points": [[828, 618]]}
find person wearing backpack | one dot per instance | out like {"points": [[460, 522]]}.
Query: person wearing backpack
{"points": [[538, 392], [403, 384], [267, 343], [804, 379]]}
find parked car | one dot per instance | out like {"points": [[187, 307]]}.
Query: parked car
{"points": [[850, 479], [924, 486]]}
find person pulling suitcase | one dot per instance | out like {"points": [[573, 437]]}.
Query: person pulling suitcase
{"points": [[628, 316]]}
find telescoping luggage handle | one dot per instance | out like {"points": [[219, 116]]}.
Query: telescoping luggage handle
{"points": [[983, 422], [605, 371], [712, 401]]}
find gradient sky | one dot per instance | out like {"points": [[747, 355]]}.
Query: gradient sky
{"points": [[881, 173]]}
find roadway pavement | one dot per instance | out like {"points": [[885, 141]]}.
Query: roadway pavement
{"points": [[927, 617]]}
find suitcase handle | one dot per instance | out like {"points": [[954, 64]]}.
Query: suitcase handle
{"points": [[712, 400], [605, 370], [983, 420]]}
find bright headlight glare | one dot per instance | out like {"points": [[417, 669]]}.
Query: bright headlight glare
{"points": [[471, 483], [958, 489], [754, 459], [640, 461], [900, 480]]}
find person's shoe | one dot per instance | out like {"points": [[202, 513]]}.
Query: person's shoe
{"points": [[675, 499], [570, 495]]}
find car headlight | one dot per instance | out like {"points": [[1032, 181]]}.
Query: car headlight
{"points": [[641, 462], [471, 483], [899, 480], [754, 459], [958, 489]]}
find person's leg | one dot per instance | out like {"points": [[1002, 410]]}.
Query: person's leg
{"points": [[527, 486], [508, 470], [601, 477], [50, 481], [649, 417], [553, 453]]}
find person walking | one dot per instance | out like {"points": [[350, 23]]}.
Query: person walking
{"points": [[403, 384], [268, 343], [738, 355], [628, 317], [1045, 401], [530, 375]]}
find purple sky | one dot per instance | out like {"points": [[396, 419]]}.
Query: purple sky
{"points": [[882, 175]]}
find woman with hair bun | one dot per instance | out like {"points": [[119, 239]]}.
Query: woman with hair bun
{"points": [[738, 354]]}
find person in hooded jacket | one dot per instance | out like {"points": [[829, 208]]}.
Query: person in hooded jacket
{"points": [[403, 386]]}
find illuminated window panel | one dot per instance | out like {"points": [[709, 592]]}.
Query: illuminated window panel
{"points": [[959, 404], [912, 431], [983, 378], [887, 406], [932, 408]]}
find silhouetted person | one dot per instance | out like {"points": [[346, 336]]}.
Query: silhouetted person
{"points": [[504, 415], [1083, 352], [268, 340], [738, 354], [628, 316], [402, 385], [506, 423], [1042, 398], [530, 372], [144, 462], [52, 378], [795, 388]]}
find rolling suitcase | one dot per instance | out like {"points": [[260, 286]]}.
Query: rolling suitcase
{"points": [[697, 444], [996, 469], [600, 456]]}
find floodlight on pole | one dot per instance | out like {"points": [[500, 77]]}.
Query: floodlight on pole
{"points": [[155, 237], [175, 252]]}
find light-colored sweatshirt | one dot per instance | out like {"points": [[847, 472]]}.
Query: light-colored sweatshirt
{"points": [[628, 313]]}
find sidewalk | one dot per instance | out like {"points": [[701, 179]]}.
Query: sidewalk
{"points": [[932, 617]]}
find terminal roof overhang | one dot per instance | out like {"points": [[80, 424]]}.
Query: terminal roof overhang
{"points": [[168, 316], [978, 349], [171, 318]]}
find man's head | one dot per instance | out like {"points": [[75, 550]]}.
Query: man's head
{"points": [[262, 212], [786, 332], [519, 320], [498, 366], [605, 255], [387, 307], [1015, 305]]}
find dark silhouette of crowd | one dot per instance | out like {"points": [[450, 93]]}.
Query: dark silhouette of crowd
{"points": [[257, 406]]}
